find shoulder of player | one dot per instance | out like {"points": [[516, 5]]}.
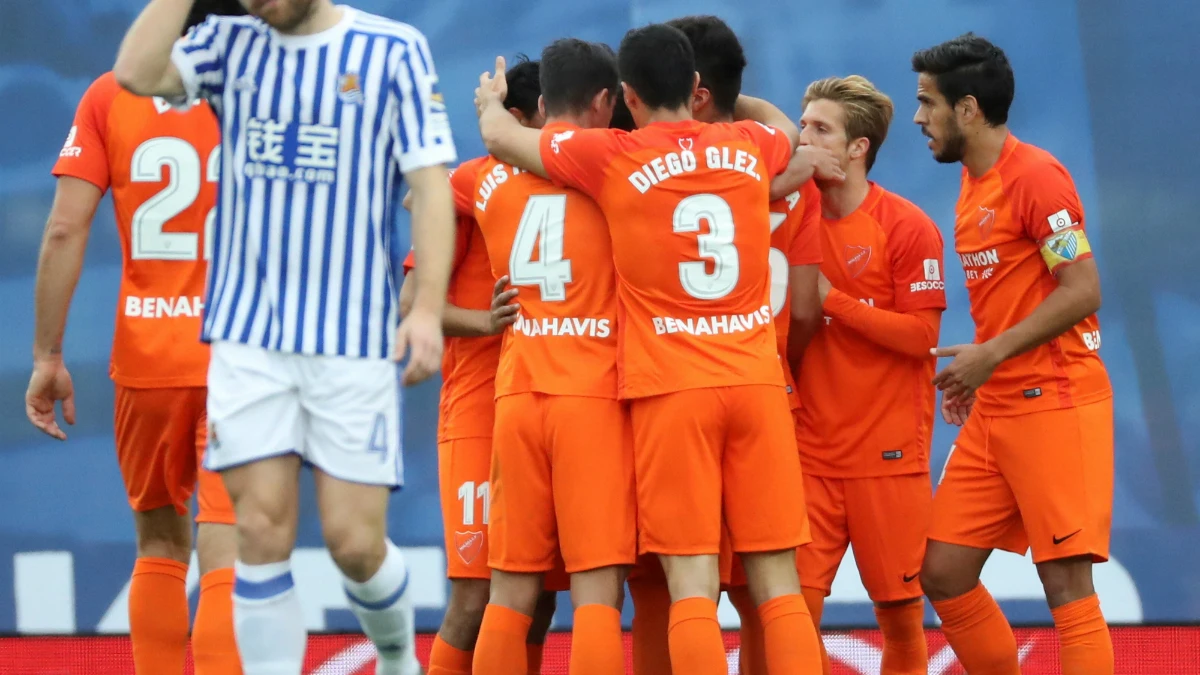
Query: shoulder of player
{"points": [[366, 22], [898, 215], [1031, 168]]}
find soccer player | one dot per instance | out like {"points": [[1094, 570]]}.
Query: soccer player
{"points": [[866, 415], [794, 259], [323, 108], [563, 468], [472, 323], [129, 144], [686, 205], [1033, 464]]}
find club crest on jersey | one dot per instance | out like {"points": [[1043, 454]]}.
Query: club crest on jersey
{"points": [[986, 220], [857, 258], [348, 88], [685, 144], [469, 545]]}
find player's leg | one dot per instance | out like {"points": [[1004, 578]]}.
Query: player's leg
{"points": [[214, 647], [818, 561], [464, 467], [651, 617], [148, 443], [255, 442], [888, 522], [1060, 466], [523, 538], [677, 460], [543, 616], [596, 511], [765, 511], [752, 656], [353, 442], [974, 511]]}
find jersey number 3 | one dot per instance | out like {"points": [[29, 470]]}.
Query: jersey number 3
{"points": [[537, 251], [148, 240], [716, 245]]}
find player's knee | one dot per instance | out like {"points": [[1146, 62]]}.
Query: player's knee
{"points": [[1066, 580], [357, 550], [949, 570], [464, 612], [264, 535], [517, 591], [601, 586], [771, 575], [163, 533], [692, 576]]}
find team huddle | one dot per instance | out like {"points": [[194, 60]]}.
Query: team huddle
{"points": [[690, 348]]}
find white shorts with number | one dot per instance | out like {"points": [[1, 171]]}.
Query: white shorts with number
{"points": [[339, 414]]}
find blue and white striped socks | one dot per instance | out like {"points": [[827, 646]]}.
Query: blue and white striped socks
{"points": [[268, 619], [385, 611]]}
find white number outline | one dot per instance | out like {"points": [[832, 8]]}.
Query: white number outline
{"points": [[780, 269], [715, 245], [147, 239], [542, 227]]}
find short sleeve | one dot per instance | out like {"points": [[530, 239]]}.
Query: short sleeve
{"points": [[806, 242], [775, 145], [577, 158], [462, 232], [423, 126], [199, 57], [462, 184], [84, 155], [1045, 199], [915, 248]]}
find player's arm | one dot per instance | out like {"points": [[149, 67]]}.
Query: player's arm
{"points": [[144, 64], [1076, 298], [433, 236], [765, 112], [805, 309], [911, 333], [460, 322], [503, 135]]}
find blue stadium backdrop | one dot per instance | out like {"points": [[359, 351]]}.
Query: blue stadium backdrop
{"points": [[1101, 84]]}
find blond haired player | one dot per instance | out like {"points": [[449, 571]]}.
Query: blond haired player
{"points": [[866, 416]]}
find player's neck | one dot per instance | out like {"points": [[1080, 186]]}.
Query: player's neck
{"points": [[839, 200], [984, 150], [680, 114], [325, 15]]}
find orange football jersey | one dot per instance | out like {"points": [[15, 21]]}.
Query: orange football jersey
{"points": [[866, 410], [162, 167], [687, 209], [467, 407], [795, 241], [1015, 226], [554, 246]]}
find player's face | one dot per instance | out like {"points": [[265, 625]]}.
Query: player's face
{"points": [[823, 125], [938, 122], [282, 15]]}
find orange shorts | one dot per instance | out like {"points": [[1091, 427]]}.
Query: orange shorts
{"points": [[1042, 480], [161, 435], [562, 479], [464, 469], [699, 452], [885, 519]]}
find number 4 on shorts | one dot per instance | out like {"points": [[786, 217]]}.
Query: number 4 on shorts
{"points": [[378, 443]]}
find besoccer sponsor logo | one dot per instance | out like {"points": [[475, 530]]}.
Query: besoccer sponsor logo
{"points": [[287, 151], [69, 148], [1091, 338]]}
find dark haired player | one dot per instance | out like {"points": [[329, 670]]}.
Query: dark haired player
{"points": [[687, 208], [1033, 464]]}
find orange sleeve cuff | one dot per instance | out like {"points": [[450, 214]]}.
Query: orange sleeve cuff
{"points": [[907, 334]]}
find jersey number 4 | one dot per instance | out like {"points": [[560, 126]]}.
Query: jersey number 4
{"points": [[148, 240], [536, 258]]}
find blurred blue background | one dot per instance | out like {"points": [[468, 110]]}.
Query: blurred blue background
{"points": [[1101, 84]]}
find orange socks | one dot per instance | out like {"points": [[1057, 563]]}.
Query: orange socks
{"points": [[814, 598], [446, 660], [979, 633], [651, 617], [791, 639], [904, 649], [752, 653], [596, 647], [694, 638], [1085, 645], [158, 615], [533, 658], [501, 648], [214, 646]]}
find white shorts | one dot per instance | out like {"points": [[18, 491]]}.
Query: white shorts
{"points": [[339, 414]]}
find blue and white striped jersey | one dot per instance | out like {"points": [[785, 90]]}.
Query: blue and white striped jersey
{"points": [[316, 131]]}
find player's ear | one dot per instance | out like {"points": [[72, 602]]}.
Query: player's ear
{"points": [[968, 107], [631, 98], [858, 148], [516, 112], [541, 105], [701, 97], [602, 101]]}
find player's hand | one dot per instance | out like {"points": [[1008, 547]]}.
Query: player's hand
{"points": [[493, 87], [49, 384], [956, 410], [823, 286], [503, 313], [419, 336], [823, 163], [972, 366]]}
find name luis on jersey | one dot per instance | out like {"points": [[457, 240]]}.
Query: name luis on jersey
{"points": [[498, 176], [671, 164]]}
